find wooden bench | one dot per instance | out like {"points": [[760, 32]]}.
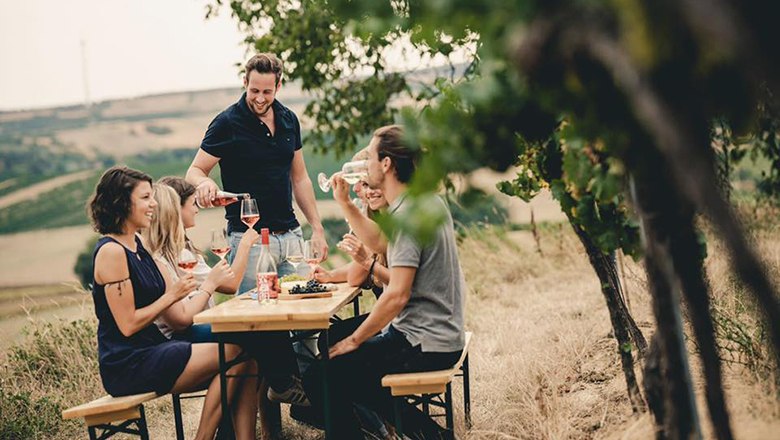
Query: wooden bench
{"points": [[103, 412], [425, 387], [100, 414]]}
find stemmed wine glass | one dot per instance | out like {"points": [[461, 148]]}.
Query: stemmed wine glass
{"points": [[295, 253], [249, 213], [219, 243], [352, 172], [311, 255], [188, 258]]}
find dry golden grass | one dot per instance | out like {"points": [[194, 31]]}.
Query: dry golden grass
{"points": [[543, 362]]}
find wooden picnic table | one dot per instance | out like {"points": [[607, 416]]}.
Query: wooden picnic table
{"points": [[242, 314]]}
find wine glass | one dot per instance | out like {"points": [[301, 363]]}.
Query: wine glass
{"points": [[249, 213], [187, 258], [312, 255], [295, 252], [219, 243], [352, 172]]}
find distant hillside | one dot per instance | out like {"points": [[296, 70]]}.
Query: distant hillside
{"points": [[37, 145], [156, 133]]}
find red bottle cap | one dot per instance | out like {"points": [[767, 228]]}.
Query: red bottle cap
{"points": [[264, 236]]}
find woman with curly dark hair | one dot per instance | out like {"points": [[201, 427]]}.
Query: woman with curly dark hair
{"points": [[130, 292]]}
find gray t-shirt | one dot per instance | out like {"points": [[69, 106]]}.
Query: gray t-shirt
{"points": [[433, 317]]}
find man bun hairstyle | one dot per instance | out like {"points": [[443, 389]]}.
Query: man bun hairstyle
{"points": [[110, 205], [265, 63], [393, 145]]}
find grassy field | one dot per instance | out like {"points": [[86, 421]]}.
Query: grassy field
{"points": [[544, 363], [60, 201]]}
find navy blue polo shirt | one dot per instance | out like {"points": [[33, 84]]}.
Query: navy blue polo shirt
{"points": [[253, 161]]}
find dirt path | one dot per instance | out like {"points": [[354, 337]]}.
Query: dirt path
{"points": [[33, 191]]}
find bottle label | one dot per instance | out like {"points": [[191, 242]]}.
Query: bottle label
{"points": [[268, 285]]}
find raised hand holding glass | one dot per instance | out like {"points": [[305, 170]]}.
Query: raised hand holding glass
{"points": [[352, 172]]}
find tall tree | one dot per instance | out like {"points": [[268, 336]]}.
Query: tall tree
{"points": [[638, 78]]}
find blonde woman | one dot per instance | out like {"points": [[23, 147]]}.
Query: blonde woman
{"points": [[272, 350], [165, 239]]}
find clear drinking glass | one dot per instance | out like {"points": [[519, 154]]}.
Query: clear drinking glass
{"points": [[311, 255], [295, 252], [220, 245], [352, 172]]}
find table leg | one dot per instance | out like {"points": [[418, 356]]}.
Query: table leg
{"points": [[226, 424], [325, 390], [356, 306]]}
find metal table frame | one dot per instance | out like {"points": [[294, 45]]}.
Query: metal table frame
{"points": [[224, 328]]}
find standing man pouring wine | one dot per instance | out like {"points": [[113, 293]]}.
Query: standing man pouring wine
{"points": [[257, 144]]}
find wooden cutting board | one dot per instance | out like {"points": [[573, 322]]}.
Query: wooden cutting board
{"points": [[288, 296]]}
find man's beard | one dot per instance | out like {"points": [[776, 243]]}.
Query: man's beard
{"points": [[256, 111], [264, 112]]}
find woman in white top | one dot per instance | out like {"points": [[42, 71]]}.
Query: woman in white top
{"points": [[272, 350], [165, 238]]}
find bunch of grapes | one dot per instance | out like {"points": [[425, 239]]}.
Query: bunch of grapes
{"points": [[312, 286]]}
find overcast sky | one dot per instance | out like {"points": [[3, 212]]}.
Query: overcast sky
{"points": [[132, 47]]}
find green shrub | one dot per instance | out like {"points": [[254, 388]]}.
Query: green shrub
{"points": [[53, 368], [25, 417], [84, 267], [741, 332], [158, 129], [474, 207]]}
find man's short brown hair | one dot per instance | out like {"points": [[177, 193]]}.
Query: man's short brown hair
{"points": [[265, 63], [392, 144]]}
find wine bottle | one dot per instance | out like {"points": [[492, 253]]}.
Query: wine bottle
{"points": [[224, 198], [268, 287]]}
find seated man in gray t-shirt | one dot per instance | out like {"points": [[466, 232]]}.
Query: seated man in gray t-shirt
{"points": [[433, 316], [417, 323]]}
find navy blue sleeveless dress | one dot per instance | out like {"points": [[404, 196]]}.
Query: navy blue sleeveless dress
{"points": [[146, 361]]}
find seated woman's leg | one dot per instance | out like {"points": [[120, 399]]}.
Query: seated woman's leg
{"points": [[196, 333], [245, 406], [203, 367]]}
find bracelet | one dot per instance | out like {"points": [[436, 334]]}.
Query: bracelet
{"points": [[371, 268]]}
